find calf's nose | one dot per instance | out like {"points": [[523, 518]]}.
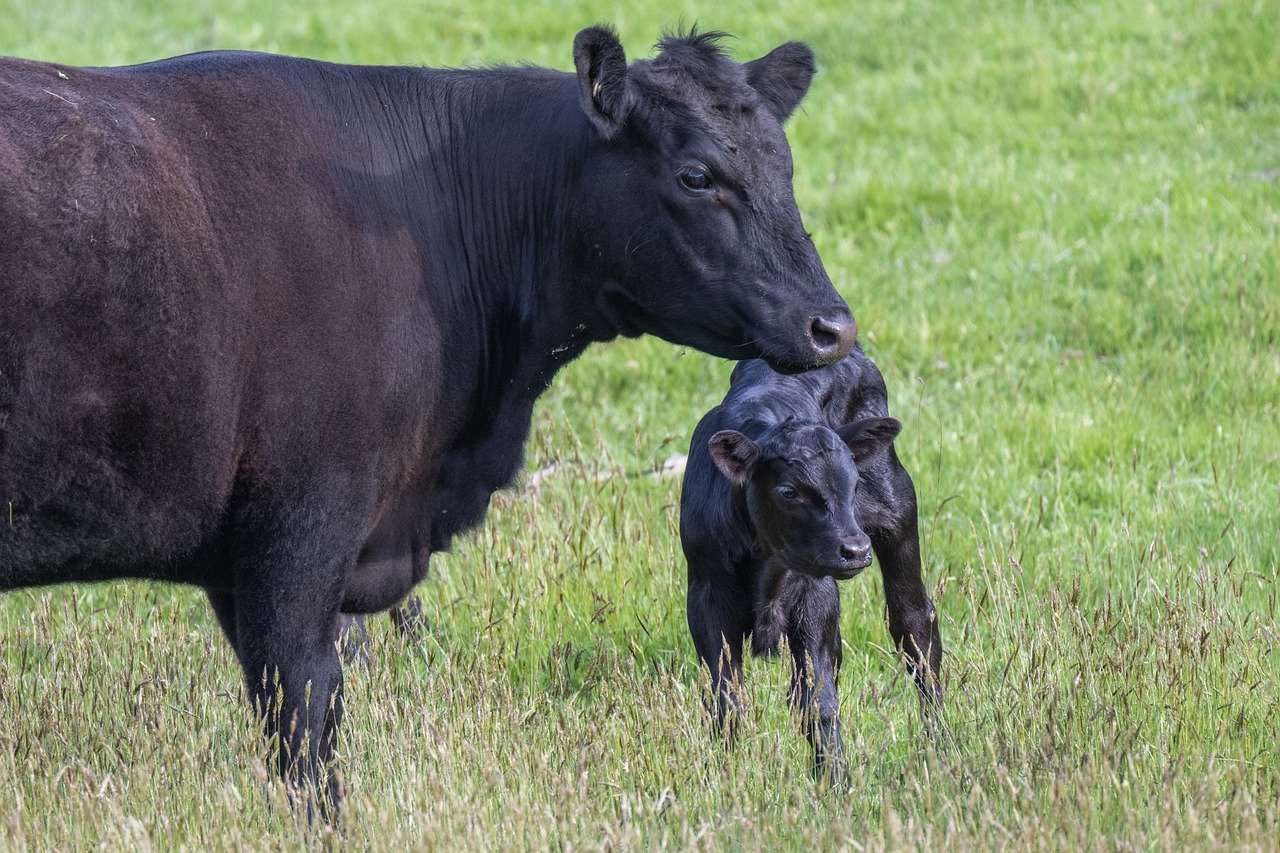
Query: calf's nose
{"points": [[832, 334], [855, 551]]}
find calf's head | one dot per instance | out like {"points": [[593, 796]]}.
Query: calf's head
{"points": [[685, 207], [800, 482]]}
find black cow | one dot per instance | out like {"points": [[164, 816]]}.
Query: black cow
{"points": [[785, 480], [275, 327]]}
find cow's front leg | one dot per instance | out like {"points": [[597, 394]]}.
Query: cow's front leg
{"points": [[719, 622], [224, 608], [813, 633], [913, 622], [289, 571], [353, 630], [294, 681]]}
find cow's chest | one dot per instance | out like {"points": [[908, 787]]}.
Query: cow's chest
{"points": [[479, 463], [394, 558]]}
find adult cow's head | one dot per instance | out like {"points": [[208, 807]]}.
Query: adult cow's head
{"points": [[686, 212]]}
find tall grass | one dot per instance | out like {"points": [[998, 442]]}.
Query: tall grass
{"points": [[1058, 226]]}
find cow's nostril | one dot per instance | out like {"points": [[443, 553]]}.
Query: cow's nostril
{"points": [[832, 335], [824, 333]]}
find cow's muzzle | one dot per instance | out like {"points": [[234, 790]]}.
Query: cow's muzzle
{"points": [[832, 334]]}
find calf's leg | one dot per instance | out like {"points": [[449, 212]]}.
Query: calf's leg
{"points": [[719, 621], [913, 622], [813, 633]]}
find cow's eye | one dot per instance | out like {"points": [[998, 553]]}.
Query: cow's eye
{"points": [[695, 178], [788, 493]]}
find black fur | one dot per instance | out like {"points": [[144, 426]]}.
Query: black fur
{"points": [[276, 327], [790, 481]]}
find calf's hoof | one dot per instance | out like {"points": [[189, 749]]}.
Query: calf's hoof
{"points": [[832, 773]]}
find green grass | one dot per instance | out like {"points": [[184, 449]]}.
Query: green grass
{"points": [[1059, 227]]}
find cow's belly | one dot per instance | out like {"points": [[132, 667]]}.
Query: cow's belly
{"points": [[394, 557], [105, 490], [112, 464], [381, 582]]}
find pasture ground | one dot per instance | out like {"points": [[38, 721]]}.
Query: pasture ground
{"points": [[1059, 227]]}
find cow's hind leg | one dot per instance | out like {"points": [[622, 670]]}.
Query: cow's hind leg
{"points": [[289, 588]]}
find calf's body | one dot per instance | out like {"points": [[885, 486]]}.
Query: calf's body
{"points": [[275, 327], [767, 534]]}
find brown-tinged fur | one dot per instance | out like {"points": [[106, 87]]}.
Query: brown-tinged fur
{"points": [[275, 327]]}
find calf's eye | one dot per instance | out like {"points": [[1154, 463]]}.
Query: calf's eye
{"points": [[787, 493], [695, 178]]}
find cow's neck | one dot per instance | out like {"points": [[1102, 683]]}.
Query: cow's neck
{"points": [[504, 164], [498, 167]]}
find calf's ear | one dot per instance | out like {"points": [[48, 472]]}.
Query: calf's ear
{"points": [[602, 79], [782, 76], [734, 454], [869, 436]]}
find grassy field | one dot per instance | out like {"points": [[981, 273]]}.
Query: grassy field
{"points": [[1059, 227]]}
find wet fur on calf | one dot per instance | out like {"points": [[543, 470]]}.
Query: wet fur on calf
{"points": [[770, 611], [790, 482]]}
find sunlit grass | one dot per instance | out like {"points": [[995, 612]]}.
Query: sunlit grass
{"points": [[1058, 225]]}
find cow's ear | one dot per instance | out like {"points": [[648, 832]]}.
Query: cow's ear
{"points": [[734, 454], [602, 79], [869, 436], [782, 76]]}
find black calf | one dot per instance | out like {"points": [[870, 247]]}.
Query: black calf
{"points": [[791, 482]]}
